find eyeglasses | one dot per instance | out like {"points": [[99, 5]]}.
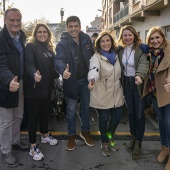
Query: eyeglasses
{"points": [[42, 32]]}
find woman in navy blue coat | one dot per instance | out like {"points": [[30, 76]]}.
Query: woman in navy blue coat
{"points": [[39, 80]]}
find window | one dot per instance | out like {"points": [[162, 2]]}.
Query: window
{"points": [[110, 15]]}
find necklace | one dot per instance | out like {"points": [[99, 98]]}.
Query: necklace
{"points": [[127, 58]]}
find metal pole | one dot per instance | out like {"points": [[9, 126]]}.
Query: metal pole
{"points": [[62, 14], [4, 5]]}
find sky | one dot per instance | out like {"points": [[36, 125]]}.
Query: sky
{"points": [[86, 10]]}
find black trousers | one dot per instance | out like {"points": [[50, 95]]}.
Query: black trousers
{"points": [[38, 111]]}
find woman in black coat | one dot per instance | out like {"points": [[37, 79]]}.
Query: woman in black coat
{"points": [[39, 77]]}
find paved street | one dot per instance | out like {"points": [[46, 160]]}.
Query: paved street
{"points": [[91, 158]]}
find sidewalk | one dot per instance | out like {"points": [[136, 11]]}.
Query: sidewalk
{"points": [[89, 158]]}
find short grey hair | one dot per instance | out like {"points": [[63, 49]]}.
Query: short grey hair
{"points": [[12, 9]]}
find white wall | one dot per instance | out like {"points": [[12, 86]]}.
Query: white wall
{"points": [[162, 21]]}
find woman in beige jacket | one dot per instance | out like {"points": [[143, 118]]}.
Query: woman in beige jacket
{"points": [[106, 89], [157, 84]]}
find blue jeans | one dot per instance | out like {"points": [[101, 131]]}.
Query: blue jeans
{"points": [[136, 107], [164, 121], [84, 95], [108, 130]]}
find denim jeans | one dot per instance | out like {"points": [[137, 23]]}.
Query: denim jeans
{"points": [[135, 106], [164, 121], [84, 95], [108, 130]]}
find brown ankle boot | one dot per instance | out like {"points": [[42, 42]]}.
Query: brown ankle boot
{"points": [[163, 154], [167, 167], [136, 152], [130, 146]]}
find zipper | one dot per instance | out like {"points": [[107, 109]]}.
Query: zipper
{"points": [[105, 84], [114, 85], [140, 109]]}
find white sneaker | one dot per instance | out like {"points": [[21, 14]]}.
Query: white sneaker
{"points": [[36, 153], [49, 139]]}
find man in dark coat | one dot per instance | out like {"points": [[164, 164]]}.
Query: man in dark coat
{"points": [[72, 61], [12, 41]]}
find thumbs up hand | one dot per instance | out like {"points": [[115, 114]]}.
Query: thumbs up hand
{"points": [[14, 85], [37, 76], [91, 84], [66, 73]]}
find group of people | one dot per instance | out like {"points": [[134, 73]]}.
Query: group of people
{"points": [[104, 75]]}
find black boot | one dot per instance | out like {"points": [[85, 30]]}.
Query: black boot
{"points": [[136, 152], [130, 146]]}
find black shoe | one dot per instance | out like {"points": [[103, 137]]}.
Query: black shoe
{"points": [[10, 160], [21, 146]]}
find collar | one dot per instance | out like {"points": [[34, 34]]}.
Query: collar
{"points": [[129, 46], [15, 38]]}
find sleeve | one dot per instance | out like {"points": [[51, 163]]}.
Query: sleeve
{"points": [[167, 56], [60, 58], [143, 66], [94, 68], [168, 76], [5, 73], [30, 67]]}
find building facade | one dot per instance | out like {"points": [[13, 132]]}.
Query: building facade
{"points": [[96, 26], [141, 14]]}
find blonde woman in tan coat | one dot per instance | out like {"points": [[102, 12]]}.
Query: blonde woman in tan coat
{"points": [[157, 84], [106, 90]]}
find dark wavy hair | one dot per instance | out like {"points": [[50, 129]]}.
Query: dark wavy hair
{"points": [[73, 19], [97, 42]]}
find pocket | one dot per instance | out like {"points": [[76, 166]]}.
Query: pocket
{"points": [[8, 98], [3, 96]]}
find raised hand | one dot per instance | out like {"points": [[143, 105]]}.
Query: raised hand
{"points": [[66, 73], [14, 85]]}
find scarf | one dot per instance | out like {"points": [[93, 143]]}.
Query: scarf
{"points": [[156, 57], [111, 56]]}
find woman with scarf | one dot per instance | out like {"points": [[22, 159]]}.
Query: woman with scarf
{"points": [[157, 84], [134, 69], [106, 89]]}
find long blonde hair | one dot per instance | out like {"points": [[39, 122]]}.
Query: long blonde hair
{"points": [[137, 40], [50, 40], [159, 31]]}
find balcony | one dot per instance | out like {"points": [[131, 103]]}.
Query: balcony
{"points": [[118, 0], [152, 8], [122, 13]]}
